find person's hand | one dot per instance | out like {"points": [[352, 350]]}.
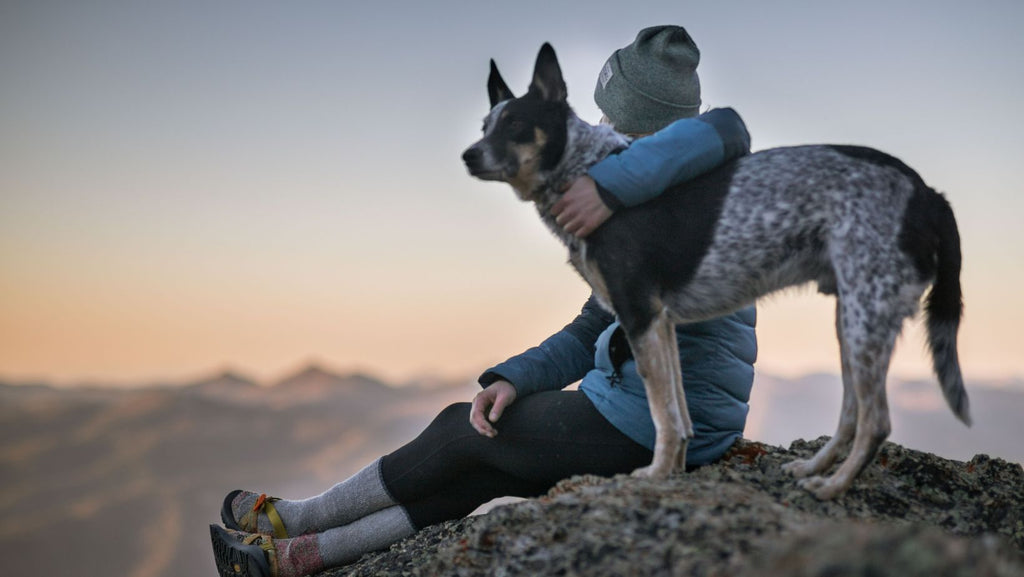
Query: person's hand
{"points": [[580, 210], [489, 404]]}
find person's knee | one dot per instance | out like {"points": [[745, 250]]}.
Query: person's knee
{"points": [[453, 418], [456, 411], [453, 438]]}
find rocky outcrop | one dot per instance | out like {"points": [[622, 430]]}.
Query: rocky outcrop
{"points": [[909, 514]]}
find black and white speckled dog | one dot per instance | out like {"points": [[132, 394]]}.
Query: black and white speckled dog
{"points": [[860, 223]]}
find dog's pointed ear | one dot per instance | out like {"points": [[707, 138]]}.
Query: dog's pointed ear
{"points": [[547, 76], [497, 90]]}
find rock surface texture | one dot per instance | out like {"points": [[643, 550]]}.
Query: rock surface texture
{"points": [[909, 514]]}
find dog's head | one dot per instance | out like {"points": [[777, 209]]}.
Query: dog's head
{"points": [[526, 136]]}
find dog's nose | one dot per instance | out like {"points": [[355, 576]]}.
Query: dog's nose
{"points": [[472, 156]]}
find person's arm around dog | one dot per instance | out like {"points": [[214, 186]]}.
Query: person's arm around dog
{"points": [[680, 152]]}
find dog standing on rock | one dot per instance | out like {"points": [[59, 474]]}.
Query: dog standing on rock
{"points": [[859, 223]]}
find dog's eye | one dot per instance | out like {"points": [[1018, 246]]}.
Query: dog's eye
{"points": [[516, 125]]}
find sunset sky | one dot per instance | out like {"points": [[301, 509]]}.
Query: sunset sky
{"points": [[191, 186]]}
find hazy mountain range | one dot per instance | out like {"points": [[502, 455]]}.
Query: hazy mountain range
{"points": [[100, 481]]}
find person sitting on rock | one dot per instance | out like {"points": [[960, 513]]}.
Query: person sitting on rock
{"points": [[523, 433]]}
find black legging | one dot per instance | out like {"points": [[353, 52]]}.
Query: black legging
{"points": [[450, 469]]}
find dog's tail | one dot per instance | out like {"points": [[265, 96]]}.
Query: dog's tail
{"points": [[944, 307]]}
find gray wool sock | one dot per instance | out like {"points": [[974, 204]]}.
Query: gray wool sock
{"points": [[356, 497], [343, 545]]}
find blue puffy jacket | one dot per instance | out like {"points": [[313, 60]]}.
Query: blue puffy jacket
{"points": [[717, 356]]}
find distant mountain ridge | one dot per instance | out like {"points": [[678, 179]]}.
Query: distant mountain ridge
{"points": [[312, 371], [127, 479], [315, 371], [310, 383]]}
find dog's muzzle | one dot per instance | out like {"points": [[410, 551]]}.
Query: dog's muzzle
{"points": [[481, 165]]}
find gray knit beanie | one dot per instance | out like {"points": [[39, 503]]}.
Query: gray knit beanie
{"points": [[650, 83]]}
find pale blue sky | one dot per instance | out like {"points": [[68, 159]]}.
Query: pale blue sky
{"points": [[186, 185]]}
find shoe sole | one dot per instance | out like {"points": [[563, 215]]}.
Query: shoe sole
{"points": [[235, 559], [227, 516]]}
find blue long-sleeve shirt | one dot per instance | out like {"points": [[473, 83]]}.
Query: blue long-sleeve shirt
{"points": [[717, 356]]}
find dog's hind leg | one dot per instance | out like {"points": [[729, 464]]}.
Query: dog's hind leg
{"points": [[657, 358], [840, 442], [869, 339]]}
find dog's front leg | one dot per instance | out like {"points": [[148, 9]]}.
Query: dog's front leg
{"points": [[657, 357]]}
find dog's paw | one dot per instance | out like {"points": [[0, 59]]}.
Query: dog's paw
{"points": [[650, 472], [824, 488], [799, 468]]}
